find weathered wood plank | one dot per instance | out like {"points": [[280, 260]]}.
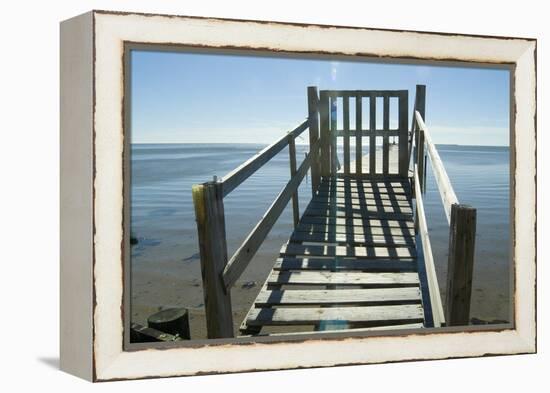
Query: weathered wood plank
{"points": [[433, 286], [307, 316], [444, 185], [359, 210], [357, 230], [403, 162], [239, 261], [358, 135], [361, 196], [343, 251], [358, 202], [352, 239], [292, 157], [372, 139], [358, 215], [333, 129], [386, 189], [386, 139], [346, 135], [340, 264], [361, 222], [249, 167], [324, 118], [370, 297], [314, 151]]}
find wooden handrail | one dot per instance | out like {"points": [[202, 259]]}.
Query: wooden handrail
{"points": [[448, 196], [248, 168], [246, 251], [435, 297]]}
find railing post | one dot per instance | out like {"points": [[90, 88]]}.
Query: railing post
{"points": [[460, 265], [421, 158], [209, 214], [313, 116], [292, 157], [324, 157], [333, 138]]}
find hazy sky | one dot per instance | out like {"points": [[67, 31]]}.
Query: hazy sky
{"points": [[190, 97]]}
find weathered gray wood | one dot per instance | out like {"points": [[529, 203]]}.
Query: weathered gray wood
{"points": [[209, 214], [379, 198], [461, 264], [372, 139], [314, 151], [348, 329], [357, 230], [333, 133], [174, 321], [367, 188], [292, 157], [342, 278], [358, 134], [248, 168], [433, 285], [346, 136], [448, 196], [344, 315], [367, 133], [319, 202], [352, 239], [365, 297], [344, 251], [325, 133], [403, 144], [358, 215], [239, 261], [420, 159], [360, 222], [386, 139], [336, 264]]}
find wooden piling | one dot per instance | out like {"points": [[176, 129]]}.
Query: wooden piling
{"points": [[209, 213], [313, 116], [460, 264], [174, 321]]}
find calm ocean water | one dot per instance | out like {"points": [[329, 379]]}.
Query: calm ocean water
{"points": [[162, 215]]}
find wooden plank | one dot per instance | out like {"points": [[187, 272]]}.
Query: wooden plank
{"points": [[360, 222], [363, 196], [364, 189], [292, 158], [239, 261], [461, 264], [210, 218], [386, 139], [352, 209], [348, 330], [403, 162], [365, 297], [352, 239], [435, 297], [328, 213], [398, 181], [358, 203], [381, 279], [420, 158], [372, 141], [358, 135], [358, 230], [313, 117], [340, 264], [249, 167], [325, 133], [346, 135], [367, 133], [344, 315], [448, 196], [345, 251]]}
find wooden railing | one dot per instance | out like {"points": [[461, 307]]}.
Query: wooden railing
{"points": [[462, 227], [219, 273]]}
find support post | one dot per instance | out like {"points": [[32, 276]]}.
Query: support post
{"points": [[460, 264], [325, 133], [421, 158], [332, 133], [209, 214], [313, 116], [292, 157]]}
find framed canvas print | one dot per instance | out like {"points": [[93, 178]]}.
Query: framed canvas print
{"points": [[245, 195]]}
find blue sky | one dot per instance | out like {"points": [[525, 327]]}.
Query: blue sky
{"points": [[200, 98]]}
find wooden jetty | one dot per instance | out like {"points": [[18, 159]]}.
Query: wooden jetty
{"points": [[359, 257]]}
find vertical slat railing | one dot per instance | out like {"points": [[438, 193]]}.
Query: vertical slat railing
{"points": [[386, 139], [324, 118], [346, 135], [403, 133], [313, 115], [333, 133], [358, 131], [292, 159], [372, 139]]}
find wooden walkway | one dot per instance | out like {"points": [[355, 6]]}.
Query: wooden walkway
{"points": [[350, 262]]}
